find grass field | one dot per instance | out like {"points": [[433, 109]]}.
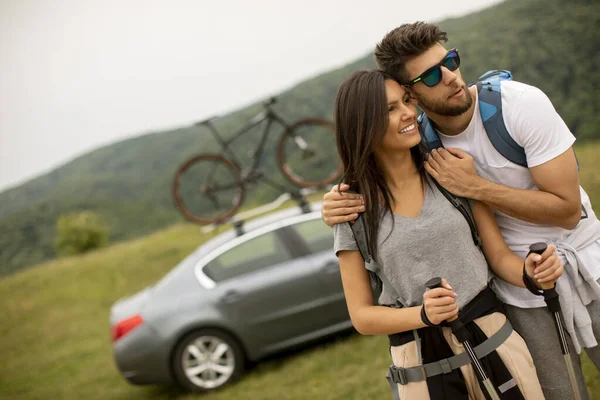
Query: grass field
{"points": [[55, 342]]}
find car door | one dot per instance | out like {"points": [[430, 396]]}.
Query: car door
{"points": [[317, 239], [266, 290]]}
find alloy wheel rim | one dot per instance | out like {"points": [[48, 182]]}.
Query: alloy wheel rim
{"points": [[208, 362]]}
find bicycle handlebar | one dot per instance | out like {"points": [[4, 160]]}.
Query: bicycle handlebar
{"points": [[269, 102]]}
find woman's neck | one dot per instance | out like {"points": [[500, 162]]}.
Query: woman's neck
{"points": [[398, 167]]}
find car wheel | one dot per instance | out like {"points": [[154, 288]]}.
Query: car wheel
{"points": [[207, 359]]}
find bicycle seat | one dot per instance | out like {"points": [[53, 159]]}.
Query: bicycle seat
{"points": [[207, 120]]}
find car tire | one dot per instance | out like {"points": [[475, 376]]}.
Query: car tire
{"points": [[207, 359]]}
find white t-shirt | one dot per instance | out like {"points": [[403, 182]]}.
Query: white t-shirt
{"points": [[535, 125]]}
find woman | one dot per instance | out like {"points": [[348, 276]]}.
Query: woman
{"points": [[415, 234]]}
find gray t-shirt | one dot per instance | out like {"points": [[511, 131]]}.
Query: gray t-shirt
{"points": [[436, 243]]}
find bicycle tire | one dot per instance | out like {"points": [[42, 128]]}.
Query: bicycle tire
{"points": [[217, 160], [284, 165]]}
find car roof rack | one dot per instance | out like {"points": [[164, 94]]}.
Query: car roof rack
{"points": [[238, 220]]}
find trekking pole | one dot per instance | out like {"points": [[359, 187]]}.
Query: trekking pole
{"points": [[551, 299], [461, 334]]}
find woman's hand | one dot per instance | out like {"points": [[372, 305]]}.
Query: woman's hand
{"points": [[544, 269], [440, 304]]}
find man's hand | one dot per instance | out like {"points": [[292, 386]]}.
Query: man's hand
{"points": [[339, 206], [454, 170]]}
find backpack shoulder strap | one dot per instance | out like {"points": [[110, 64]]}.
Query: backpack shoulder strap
{"points": [[359, 229], [490, 108], [429, 138]]}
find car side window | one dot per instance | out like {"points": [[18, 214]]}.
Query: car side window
{"points": [[260, 252], [317, 235]]}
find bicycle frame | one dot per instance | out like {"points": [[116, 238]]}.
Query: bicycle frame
{"points": [[265, 115], [225, 178]]}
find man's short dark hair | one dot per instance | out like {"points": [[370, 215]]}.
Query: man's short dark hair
{"points": [[404, 42]]}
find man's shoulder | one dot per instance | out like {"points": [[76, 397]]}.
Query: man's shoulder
{"points": [[516, 87], [519, 96]]}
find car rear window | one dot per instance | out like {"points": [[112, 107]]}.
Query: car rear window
{"points": [[255, 254], [317, 235]]}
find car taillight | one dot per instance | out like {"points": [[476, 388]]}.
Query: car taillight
{"points": [[125, 326]]}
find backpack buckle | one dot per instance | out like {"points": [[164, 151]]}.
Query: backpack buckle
{"points": [[445, 365], [398, 375]]}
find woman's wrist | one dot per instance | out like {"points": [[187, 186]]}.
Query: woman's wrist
{"points": [[425, 319]]}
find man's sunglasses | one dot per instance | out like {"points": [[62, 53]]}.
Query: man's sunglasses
{"points": [[433, 75]]}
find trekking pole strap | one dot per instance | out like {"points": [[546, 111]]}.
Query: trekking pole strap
{"points": [[444, 366]]}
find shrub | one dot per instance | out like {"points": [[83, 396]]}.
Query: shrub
{"points": [[80, 232]]}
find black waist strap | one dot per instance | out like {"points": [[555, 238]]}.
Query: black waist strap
{"points": [[422, 372], [484, 303]]}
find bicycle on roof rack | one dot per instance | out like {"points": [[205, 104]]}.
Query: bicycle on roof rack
{"points": [[210, 187]]}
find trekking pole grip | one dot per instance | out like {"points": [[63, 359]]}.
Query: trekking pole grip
{"points": [[436, 283], [458, 329], [549, 291], [540, 248]]}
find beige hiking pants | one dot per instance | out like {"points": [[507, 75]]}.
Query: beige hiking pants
{"points": [[513, 352]]}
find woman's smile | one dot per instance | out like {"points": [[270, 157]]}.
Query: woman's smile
{"points": [[409, 130]]}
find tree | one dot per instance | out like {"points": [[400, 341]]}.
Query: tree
{"points": [[80, 232]]}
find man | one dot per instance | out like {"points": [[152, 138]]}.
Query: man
{"points": [[542, 202]]}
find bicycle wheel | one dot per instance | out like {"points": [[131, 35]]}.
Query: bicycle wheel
{"points": [[208, 188], [307, 153]]}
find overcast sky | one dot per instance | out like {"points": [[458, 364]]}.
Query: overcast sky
{"points": [[79, 74]]}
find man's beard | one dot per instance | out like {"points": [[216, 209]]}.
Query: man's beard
{"points": [[441, 107]]}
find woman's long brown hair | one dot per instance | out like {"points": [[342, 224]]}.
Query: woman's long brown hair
{"points": [[361, 119]]}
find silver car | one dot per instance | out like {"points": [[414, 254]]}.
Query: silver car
{"points": [[238, 297]]}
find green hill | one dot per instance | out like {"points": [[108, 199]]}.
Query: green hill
{"points": [[55, 334], [544, 42]]}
